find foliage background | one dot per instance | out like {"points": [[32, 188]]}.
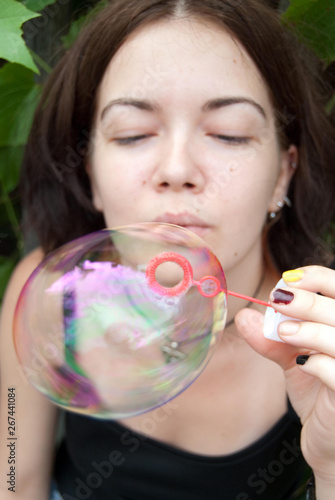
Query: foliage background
{"points": [[33, 36]]}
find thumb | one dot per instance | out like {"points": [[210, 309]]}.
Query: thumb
{"points": [[250, 326]]}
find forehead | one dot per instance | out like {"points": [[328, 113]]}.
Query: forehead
{"points": [[183, 57]]}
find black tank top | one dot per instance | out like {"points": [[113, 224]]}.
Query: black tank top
{"points": [[103, 460]]}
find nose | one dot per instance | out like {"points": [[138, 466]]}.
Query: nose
{"points": [[178, 169]]}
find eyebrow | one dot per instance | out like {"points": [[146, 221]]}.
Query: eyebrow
{"points": [[222, 102], [213, 104], [136, 103]]}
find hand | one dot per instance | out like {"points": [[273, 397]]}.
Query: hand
{"points": [[310, 386]]}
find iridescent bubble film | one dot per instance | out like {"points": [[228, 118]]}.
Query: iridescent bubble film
{"points": [[120, 321]]}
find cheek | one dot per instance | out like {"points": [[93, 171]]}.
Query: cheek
{"points": [[248, 187], [114, 183], [246, 196], [118, 205], [260, 168]]}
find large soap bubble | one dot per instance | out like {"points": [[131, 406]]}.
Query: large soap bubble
{"points": [[120, 321]]}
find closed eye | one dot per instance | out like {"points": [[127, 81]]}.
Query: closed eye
{"points": [[123, 141], [232, 139]]}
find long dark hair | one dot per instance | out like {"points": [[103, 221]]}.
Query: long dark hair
{"points": [[55, 186]]}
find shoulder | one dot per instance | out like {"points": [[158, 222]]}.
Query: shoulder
{"points": [[22, 272], [27, 265], [19, 276], [36, 414]]}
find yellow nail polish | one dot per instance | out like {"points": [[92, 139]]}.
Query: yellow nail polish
{"points": [[293, 275]]}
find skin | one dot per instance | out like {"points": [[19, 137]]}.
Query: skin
{"points": [[311, 387], [35, 414], [223, 165], [176, 168], [166, 158], [169, 154]]}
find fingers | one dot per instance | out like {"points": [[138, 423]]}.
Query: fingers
{"points": [[314, 333], [322, 367], [303, 304], [315, 279], [250, 325], [312, 336]]}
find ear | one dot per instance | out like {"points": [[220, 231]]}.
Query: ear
{"points": [[96, 199], [289, 162]]}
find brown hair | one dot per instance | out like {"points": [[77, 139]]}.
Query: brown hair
{"points": [[55, 186]]}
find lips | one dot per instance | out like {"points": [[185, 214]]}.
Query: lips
{"points": [[186, 220]]}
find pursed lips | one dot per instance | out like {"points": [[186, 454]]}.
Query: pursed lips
{"points": [[186, 220]]}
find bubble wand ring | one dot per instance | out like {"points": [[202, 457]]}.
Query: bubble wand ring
{"points": [[208, 286], [162, 258]]}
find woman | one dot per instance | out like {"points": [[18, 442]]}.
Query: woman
{"points": [[204, 115]]}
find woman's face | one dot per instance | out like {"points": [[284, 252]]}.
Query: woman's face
{"points": [[185, 133]]}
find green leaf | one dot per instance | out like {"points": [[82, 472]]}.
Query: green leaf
{"points": [[7, 265], [37, 5], [18, 99], [10, 164], [12, 46], [314, 23], [331, 105]]}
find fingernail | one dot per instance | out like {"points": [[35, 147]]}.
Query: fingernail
{"points": [[280, 296], [293, 275], [302, 359], [289, 328]]}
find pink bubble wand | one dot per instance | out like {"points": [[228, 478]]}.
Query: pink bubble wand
{"points": [[208, 286]]}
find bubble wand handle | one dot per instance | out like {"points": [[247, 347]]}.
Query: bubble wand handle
{"points": [[249, 299]]}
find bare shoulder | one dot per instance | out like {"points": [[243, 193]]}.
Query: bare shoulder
{"points": [[19, 276], [34, 414], [22, 272]]}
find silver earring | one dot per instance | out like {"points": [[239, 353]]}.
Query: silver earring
{"points": [[287, 201], [272, 215], [293, 164]]}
